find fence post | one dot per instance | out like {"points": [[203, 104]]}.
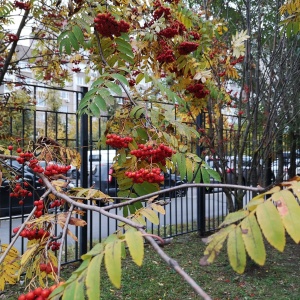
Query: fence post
{"points": [[200, 190], [84, 172]]}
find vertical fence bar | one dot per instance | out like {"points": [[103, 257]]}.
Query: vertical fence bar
{"points": [[84, 173], [200, 191]]}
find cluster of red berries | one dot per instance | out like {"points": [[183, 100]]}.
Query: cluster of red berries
{"points": [[20, 192], [175, 28], [166, 55], [76, 69], [32, 233], [185, 48], [12, 37], [39, 207], [117, 141], [153, 154], [195, 35], [23, 156], [22, 5], [131, 82], [54, 246], [198, 90], [35, 167], [48, 268], [141, 175], [108, 26], [162, 11], [55, 203], [54, 169], [38, 293]]}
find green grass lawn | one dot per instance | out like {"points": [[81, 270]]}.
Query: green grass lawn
{"points": [[278, 279]]}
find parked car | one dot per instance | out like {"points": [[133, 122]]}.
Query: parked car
{"points": [[104, 180]]}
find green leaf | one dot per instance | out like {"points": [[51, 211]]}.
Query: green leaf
{"points": [[145, 188], [139, 78], [236, 250], [271, 225], [65, 44], [125, 50], [78, 34], [75, 290], [150, 215], [62, 36], [83, 266], [181, 164], [97, 249], [205, 175], [123, 43], [114, 88], [135, 243], [234, 217], [126, 58], [253, 240], [97, 82], [214, 174], [92, 280], [121, 78], [73, 40], [100, 102], [289, 211], [113, 262], [94, 109], [189, 168], [137, 111]]}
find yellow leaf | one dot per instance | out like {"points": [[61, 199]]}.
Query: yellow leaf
{"points": [[237, 42], [271, 225], [150, 215], [289, 211], [259, 199], [113, 262], [236, 250], [234, 217], [9, 267], [253, 239], [92, 280], [216, 242], [158, 208], [29, 254], [135, 243]]}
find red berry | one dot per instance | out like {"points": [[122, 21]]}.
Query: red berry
{"points": [[38, 291], [19, 150], [30, 296], [10, 147], [21, 202], [45, 293], [22, 297]]}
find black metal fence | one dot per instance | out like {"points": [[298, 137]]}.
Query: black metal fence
{"points": [[195, 211]]}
